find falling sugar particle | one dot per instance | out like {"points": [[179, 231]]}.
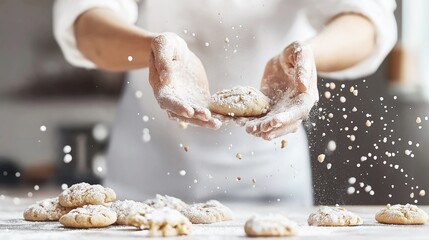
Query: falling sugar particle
{"points": [[36, 187], [67, 149], [351, 190], [368, 188], [253, 180], [182, 172], [130, 58], [354, 109], [371, 192], [64, 186], [238, 156], [412, 195], [352, 180], [138, 94], [422, 193], [327, 95], [321, 158], [328, 166], [342, 99], [226, 40], [356, 92], [43, 128], [67, 158], [206, 44], [332, 146], [332, 86]]}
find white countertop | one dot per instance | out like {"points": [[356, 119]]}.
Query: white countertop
{"points": [[13, 226]]}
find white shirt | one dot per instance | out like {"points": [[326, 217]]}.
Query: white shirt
{"points": [[256, 30]]}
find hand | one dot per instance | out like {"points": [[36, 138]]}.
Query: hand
{"points": [[290, 81], [179, 81]]}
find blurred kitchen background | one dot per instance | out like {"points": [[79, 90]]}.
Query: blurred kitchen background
{"points": [[55, 119]]}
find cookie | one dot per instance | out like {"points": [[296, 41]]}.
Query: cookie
{"points": [[45, 210], [166, 201], [239, 102], [210, 212], [126, 208], [274, 225], [85, 194], [401, 214], [334, 216], [163, 222], [89, 216]]}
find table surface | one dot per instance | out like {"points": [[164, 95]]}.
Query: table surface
{"points": [[13, 226]]}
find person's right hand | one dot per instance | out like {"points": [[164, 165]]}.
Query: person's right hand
{"points": [[179, 81]]}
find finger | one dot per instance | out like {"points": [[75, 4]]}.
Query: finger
{"points": [[241, 121], [266, 126], [222, 118], [201, 113], [296, 112], [281, 131], [253, 126], [168, 102], [212, 123]]}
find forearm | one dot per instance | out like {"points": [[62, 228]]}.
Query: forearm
{"points": [[107, 40], [345, 41]]}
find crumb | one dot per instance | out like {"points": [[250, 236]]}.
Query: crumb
{"points": [[321, 158], [183, 125], [284, 143], [238, 155], [418, 120], [186, 148]]}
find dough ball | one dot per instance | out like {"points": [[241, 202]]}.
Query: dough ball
{"points": [[239, 102]]}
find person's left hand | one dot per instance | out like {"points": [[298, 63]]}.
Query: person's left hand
{"points": [[290, 81]]}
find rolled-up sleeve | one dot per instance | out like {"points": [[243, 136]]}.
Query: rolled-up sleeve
{"points": [[381, 14], [65, 13]]}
